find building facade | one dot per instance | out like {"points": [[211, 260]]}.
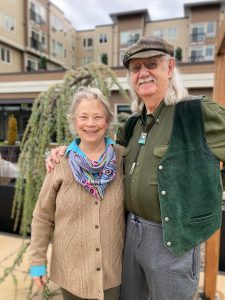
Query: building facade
{"points": [[35, 35], [37, 45]]}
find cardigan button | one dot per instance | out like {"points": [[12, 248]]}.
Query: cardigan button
{"points": [[163, 193], [97, 249], [160, 167], [166, 219], [168, 244], [98, 269], [96, 226]]}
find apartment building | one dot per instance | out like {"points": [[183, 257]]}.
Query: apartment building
{"points": [[36, 36]]}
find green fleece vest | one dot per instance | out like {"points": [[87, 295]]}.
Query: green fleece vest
{"points": [[189, 184]]}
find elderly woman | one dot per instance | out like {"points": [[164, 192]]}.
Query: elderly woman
{"points": [[81, 203]]}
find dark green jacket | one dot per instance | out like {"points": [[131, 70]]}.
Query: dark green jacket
{"points": [[189, 184]]}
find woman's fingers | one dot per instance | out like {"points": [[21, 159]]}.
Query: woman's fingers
{"points": [[38, 281]]}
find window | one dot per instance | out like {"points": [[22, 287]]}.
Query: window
{"points": [[103, 38], [87, 60], [56, 24], [9, 23], [88, 42], [209, 52], [5, 54], [172, 33], [35, 40], [197, 54], [57, 48], [32, 63], [43, 41], [204, 53], [129, 37], [198, 33], [37, 13], [211, 29], [158, 32], [202, 31]]}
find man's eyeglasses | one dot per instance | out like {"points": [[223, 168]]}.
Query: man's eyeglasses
{"points": [[151, 64]]}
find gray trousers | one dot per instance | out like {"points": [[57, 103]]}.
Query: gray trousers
{"points": [[110, 294], [151, 271]]}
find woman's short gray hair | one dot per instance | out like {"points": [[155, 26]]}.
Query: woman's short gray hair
{"points": [[90, 94], [174, 94]]}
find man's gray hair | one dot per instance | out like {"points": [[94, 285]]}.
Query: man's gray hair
{"points": [[174, 94], [88, 94]]}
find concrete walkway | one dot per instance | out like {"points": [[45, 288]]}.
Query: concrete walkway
{"points": [[9, 247]]}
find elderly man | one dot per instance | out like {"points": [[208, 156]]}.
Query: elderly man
{"points": [[173, 193], [172, 177]]}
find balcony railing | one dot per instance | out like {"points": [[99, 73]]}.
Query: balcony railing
{"points": [[197, 37], [35, 44], [198, 58]]}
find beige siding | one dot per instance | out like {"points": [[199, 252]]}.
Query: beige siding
{"points": [[164, 26], [103, 43]]}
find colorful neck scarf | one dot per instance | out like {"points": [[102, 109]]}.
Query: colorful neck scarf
{"points": [[94, 176]]}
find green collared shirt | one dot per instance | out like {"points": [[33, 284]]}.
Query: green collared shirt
{"points": [[141, 186]]}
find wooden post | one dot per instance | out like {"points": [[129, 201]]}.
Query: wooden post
{"points": [[211, 265]]}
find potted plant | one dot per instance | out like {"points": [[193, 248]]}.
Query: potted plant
{"points": [[10, 150]]}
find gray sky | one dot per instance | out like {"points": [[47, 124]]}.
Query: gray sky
{"points": [[86, 14]]}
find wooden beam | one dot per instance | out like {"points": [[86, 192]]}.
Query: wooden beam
{"points": [[211, 265]]}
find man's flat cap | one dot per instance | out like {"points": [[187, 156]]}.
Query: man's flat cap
{"points": [[147, 47]]}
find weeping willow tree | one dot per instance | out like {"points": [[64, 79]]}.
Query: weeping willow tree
{"points": [[48, 120]]}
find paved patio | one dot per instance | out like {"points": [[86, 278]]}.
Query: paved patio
{"points": [[11, 243]]}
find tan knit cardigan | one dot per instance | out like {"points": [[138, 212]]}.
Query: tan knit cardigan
{"points": [[88, 234]]}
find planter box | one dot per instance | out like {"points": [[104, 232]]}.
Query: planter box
{"points": [[6, 202], [10, 152]]}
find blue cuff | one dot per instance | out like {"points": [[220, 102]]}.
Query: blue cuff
{"points": [[37, 271]]}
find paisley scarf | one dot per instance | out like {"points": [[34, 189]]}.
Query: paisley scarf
{"points": [[94, 176]]}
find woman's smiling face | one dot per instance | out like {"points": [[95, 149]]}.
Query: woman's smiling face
{"points": [[91, 121]]}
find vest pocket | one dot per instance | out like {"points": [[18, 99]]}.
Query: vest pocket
{"points": [[201, 218]]}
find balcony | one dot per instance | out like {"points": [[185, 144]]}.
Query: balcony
{"points": [[196, 58], [197, 37], [35, 44]]}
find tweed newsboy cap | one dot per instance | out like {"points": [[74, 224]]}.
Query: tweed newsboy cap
{"points": [[147, 47]]}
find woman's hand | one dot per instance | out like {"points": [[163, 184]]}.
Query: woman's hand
{"points": [[53, 158], [40, 281]]}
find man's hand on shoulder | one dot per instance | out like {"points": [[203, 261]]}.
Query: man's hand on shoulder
{"points": [[53, 158]]}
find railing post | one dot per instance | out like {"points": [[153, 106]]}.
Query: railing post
{"points": [[211, 265]]}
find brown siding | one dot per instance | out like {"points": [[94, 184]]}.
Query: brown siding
{"points": [[54, 75], [208, 13]]}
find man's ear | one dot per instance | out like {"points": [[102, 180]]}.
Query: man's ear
{"points": [[171, 66]]}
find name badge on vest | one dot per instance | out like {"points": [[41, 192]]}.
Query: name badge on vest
{"points": [[142, 138]]}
